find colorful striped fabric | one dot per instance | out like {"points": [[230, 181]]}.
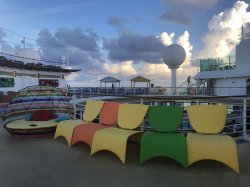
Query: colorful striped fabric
{"points": [[35, 98]]}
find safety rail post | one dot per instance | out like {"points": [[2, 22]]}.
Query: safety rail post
{"points": [[245, 136], [74, 105], [142, 125], [81, 113]]}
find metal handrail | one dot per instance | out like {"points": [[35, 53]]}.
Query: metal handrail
{"points": [[201, 91], [240, 115]]}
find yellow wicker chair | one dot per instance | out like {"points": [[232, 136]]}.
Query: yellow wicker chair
{"points": [[114, 139], [66, 128], [208, 121]]}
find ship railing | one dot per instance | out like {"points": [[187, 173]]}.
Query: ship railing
{"points": [[237, 123], [217, 64], [84, 92]]}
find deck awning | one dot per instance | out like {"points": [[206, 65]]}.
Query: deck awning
{"points": [[140, 79], [111, 80]]}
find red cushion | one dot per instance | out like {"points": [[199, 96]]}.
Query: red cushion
{"points": [[41, 115]]}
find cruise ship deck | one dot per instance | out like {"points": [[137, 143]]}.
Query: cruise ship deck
{"points": [[45, 162]]}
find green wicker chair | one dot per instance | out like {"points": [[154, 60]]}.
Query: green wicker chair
{"points": [[164, 141]]}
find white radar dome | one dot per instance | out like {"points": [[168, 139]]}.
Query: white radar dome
{"points": [[174, 55]]}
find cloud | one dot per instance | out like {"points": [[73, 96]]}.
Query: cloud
{"points": [[183, 40], [199, 3], [2, 35], [86, 41], [49, 47], [157, 72], [116, 21], [192, 3], [81, 47], [224, 31], [177, 17], [125, 68], [77, 38], [129, 52], [180, 11], [167, 39], [137, 19], [187, 68], [134, 47], [131, 46], [82, 50], [161, 72]]}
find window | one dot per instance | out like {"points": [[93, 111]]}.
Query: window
{"points": [[48, 82], [6, 82]]}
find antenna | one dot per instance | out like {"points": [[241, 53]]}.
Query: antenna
{"points": [[24, 55], [64, 61], [67, 58]]}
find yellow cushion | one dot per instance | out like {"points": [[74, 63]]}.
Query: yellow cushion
{"points": [[112, 139], [221, 148], [23, 125], [208, 119], [130, 116], [66, 129], [92, 109]]}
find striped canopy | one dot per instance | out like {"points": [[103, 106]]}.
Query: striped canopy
{"points": [[35, 98]]}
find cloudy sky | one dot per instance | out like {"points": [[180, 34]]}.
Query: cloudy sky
{"points": [[121, 38]]}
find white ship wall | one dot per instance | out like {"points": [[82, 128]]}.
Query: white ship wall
{"points": [[24, 81], [243, 56], [230, 86]]}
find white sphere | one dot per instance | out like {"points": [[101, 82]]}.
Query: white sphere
{"points": [[174, 55]]}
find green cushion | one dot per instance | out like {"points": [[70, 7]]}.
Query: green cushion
{"points": [[165, 118], [172, 145]]}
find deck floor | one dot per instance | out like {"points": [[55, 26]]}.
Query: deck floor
{"points": [[45, 162]]}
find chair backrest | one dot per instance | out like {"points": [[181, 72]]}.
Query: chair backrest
{"points": [[92, 110], [207, 119], [109, 113], [165, 118], [130, 116]]}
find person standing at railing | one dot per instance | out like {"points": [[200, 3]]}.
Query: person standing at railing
{"points": [[188, 80]]}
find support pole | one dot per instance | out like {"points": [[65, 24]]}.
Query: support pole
{"points": [[244, 116], [143, 123], [173, 81]]}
